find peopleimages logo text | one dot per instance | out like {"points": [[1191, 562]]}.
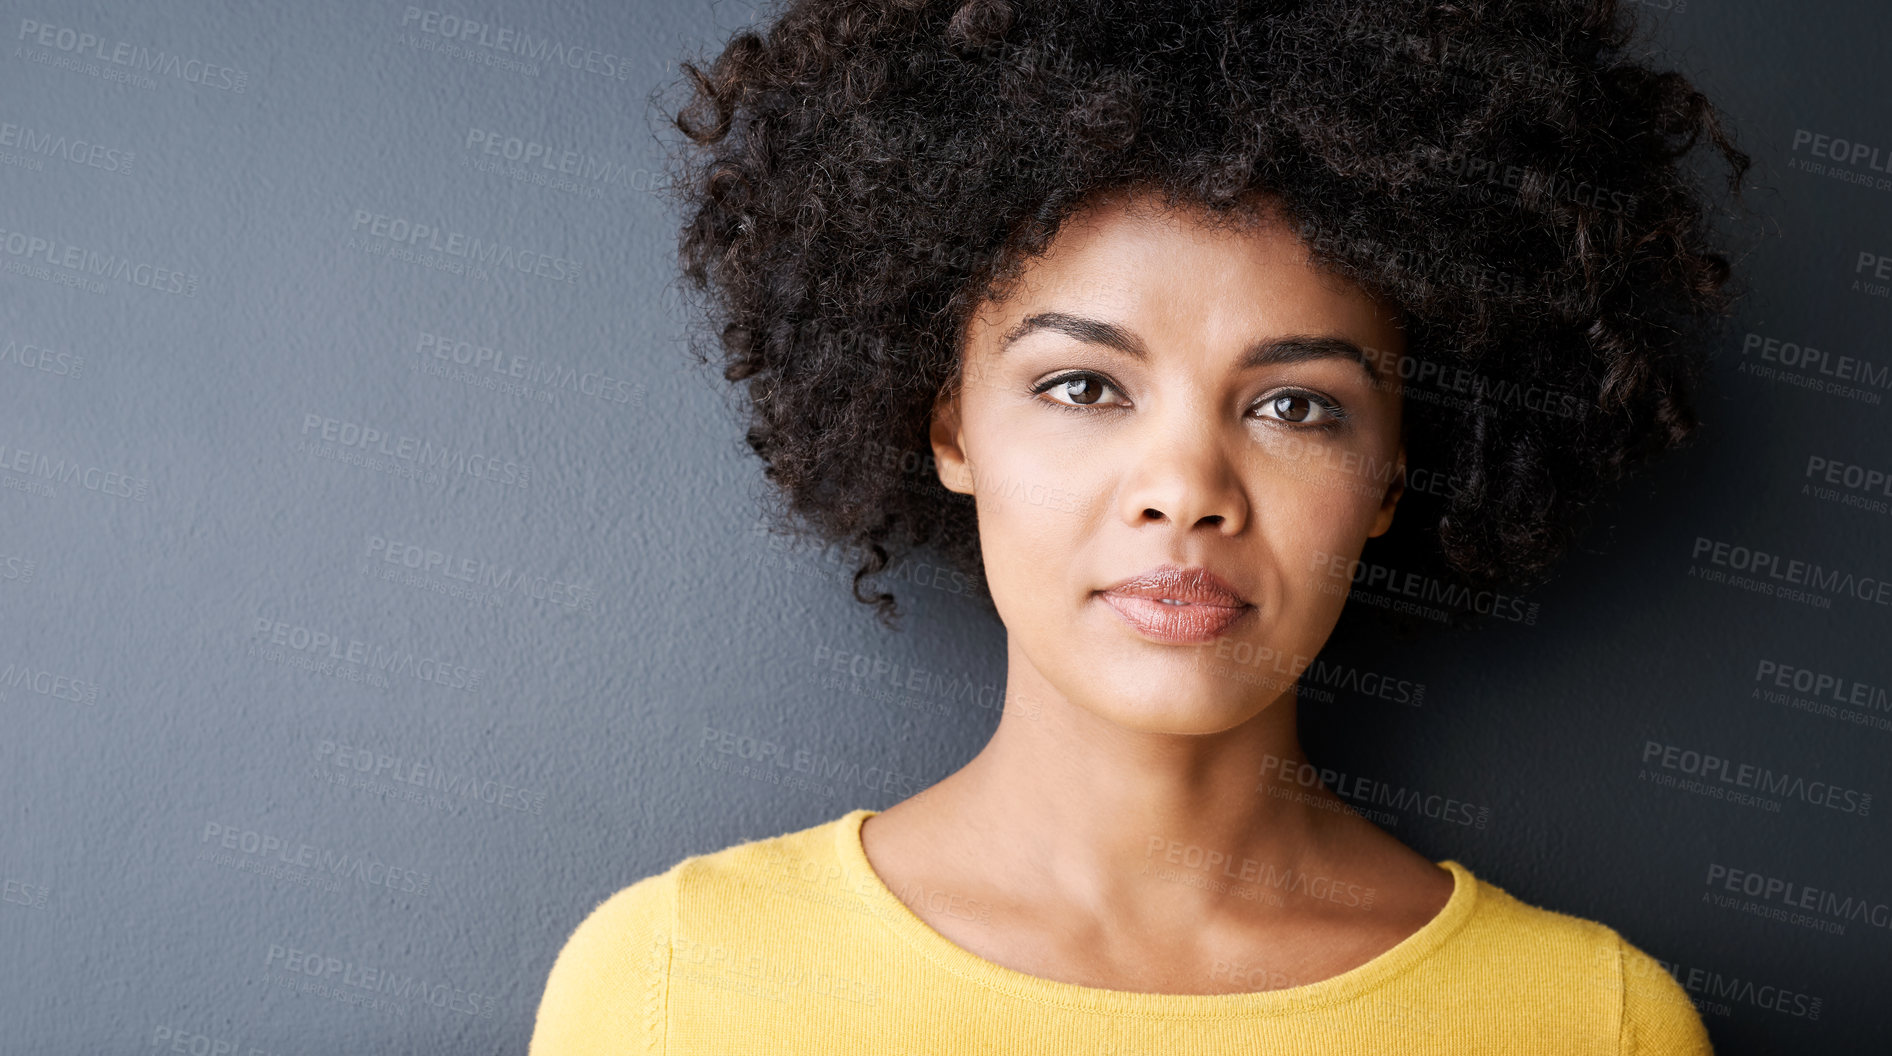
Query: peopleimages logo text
{"points": [[1378, 793], [1709, 767], [136, 56], [1799, 896], [1793, 570], [432, 238], [470, 31]]}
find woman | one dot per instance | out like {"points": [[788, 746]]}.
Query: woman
{"points": [[1170, 293]]}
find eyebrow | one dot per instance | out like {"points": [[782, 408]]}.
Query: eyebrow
{"points": [[1270, 351]]}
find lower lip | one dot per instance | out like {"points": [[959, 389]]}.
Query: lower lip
{"points": [[1184, 624]]}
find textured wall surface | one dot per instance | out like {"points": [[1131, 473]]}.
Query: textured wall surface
{"points": [[365, 604]]}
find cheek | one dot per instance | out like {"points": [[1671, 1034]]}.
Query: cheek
{"points": [[1335, 487], [1315, 519], [1035, 481], [1036, 509], [1317, 561], [1037, 501]]}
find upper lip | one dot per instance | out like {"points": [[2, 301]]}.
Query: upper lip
{"points": [[1194, 585]]}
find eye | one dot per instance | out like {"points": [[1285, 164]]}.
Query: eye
{"points": [[1082, 389], [1303, 408]]}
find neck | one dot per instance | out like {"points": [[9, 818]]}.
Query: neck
{"points": [[1066, 802]]}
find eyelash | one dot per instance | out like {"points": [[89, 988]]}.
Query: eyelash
{"points": [[1336, 415]]}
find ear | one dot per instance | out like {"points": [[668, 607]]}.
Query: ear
{"points": [[1394, 489], [949, 454]]}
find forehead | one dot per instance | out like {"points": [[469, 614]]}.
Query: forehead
{"points": [[1184, 273]]}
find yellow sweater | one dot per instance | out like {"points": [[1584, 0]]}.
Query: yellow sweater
{"points": [[794, 945]]}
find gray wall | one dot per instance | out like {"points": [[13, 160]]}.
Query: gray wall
{"points": [[242, 730]]}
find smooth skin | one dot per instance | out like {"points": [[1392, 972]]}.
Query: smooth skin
{"points": [[1050, 852]]}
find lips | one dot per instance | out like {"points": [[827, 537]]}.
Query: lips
{"points": [[1181, 605]]}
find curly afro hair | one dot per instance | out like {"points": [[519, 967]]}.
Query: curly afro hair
{"points": [[857, 176]]}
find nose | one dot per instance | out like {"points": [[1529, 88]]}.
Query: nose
{"points": [[1183, 474]]}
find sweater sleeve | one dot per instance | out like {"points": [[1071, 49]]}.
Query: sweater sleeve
{"points": [[1658, 1017], [607, 989]]}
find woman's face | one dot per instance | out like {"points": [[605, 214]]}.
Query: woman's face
{"points": [[1156, 393]]}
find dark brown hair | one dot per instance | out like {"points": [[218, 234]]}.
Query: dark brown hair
{"points": [[856, 176]]}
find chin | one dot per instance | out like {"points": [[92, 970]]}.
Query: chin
{"points": [[1178, 711]]}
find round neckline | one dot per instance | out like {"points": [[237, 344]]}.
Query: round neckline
{"points": [[1402, 957]]}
